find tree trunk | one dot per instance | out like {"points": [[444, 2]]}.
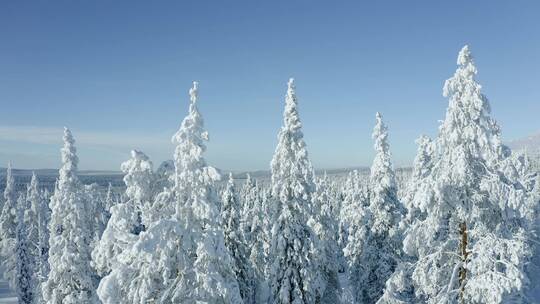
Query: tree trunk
{"points": [[464, 255]]}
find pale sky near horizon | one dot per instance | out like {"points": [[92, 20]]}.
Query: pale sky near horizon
{"points": [[118, 73]]}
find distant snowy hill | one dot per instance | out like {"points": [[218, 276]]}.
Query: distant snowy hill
{"points": [[530, 143]]}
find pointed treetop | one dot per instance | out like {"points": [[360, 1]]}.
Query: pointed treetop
{"points": [[70, 160], [231, 178], [68, 137], [34, 179], [382, 168], [380, 134], [9, 190], [290, 84], [291, 92], [291, 119], [139, 155], [69, 156], [9, 174], [468, 124], [464, 56], [194, 92], [20, 208]]}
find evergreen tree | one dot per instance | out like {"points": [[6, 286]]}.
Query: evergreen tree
{"points": [[325, 224], [110, 198], [8, 218], [25, 282], [293, 271], [71, 278], [423, 163], [37, 218], [258, 244], [248, 197], [97, 212], [230, 221], [471, 245], [380, 246], [181, 256], [8, 230], [126, 218]]}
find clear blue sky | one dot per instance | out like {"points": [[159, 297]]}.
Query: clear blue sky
{"points": [[117, 73]]}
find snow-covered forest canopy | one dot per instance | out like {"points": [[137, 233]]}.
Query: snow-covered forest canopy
{"points": [[459, 227]]}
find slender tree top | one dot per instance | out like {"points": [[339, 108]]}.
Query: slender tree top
{"points": [[32, 192], [380, 135], [9, 191], [290, 163], [291, 118], [465, 56], [70, 161], [194, 92], [424, 154], [381, 169], [34, 179], [249, 182], [468, 123], [189, 139]]}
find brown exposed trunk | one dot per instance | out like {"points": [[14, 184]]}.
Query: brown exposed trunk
{"points": [[464, 255]]}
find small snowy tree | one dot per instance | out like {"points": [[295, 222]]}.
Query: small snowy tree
{"points": [[259, 240], [422, 166], [230, 221], [294, 270], [110, 198], [126, 218], [8, 230], [374, 253], [324, 224], [37, 218], [352, 217], [25, 282], [8, 218], [248, 197], [71, 278], [96, 212]]}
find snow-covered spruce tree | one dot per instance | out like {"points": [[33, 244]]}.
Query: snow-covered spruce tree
{"points": [[422, 165], [24, 280], [37, 219], [139, 179], [375, 253], [71, 278], [248, 195], [230, 222], [255, 223], [181, 256], [8, 218], [294, 271], [324, 224], [97, 212], [110, 198], [471, 246], [126, 218], [196, 208], [352, 213], [8, 230], [254, 226]]}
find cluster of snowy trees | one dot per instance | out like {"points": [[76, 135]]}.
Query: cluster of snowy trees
{"points": [[461, 231]]}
